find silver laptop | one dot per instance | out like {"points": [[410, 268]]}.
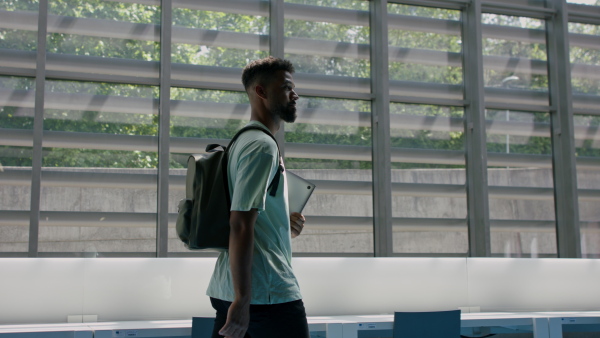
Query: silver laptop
{"points": [[299, 191]]}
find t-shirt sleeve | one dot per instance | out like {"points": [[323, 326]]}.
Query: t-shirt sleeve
{"points": [[252, 180]]}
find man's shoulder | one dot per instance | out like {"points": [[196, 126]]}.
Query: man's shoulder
{"points": [[256, 141]]}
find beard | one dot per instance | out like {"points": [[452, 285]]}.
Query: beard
{"points": [[286, 112]]}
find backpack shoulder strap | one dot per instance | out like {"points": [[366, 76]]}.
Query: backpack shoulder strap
{"points": [[246, 128], [275, 183]]}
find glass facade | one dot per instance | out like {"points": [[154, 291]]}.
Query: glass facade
{"points": [[16, 116], [99, 168], [427, 140], [520, 191], [83, 121], [228, 36], [199, 117], [585, 80], [17, 102], [330, 143]]}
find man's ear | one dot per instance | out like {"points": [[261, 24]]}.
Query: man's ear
{"points": [[260, 91]]}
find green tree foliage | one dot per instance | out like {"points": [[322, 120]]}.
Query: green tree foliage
{"points": [[515, 49], [127, 123], [450, 43], [587, 56], [588, 147], [99, 46], [217, 21]]}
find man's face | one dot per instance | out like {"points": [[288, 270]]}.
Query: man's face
{"points": [[282, 97]]}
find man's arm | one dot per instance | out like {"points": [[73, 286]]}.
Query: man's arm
{"points": [[241, 248]]}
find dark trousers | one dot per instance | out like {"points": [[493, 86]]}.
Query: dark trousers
{"points": [[267, 321]]}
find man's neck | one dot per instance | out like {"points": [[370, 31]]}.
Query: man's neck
{"points": [[270, 123]]}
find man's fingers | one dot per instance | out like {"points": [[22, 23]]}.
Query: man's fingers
{"points": [[225, 330], [297, 228], [238, 317], [296, 223], [231, 332], [297, 218]]}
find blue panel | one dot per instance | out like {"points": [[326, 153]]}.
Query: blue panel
{"points": [[439, 324], [202, 327], [581, 328]]}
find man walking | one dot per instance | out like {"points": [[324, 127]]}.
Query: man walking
{"points": [[253, 288]]}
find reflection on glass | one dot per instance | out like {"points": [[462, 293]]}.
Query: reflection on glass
{"points": [[585, 58], [428, 179], [344, 4], [100, 108], [206, 114], [520, 189], [99, 168], [318, 46], [223, 39], [514, 47], [333, 122], [517, 132], [19, 94], [97, 209], [426, 127], [587, 150], [21, 5], [424, 44], [15, 197], [585, 2], [16, 116], [331, 142], [128, 29], [585, 62], [14, 37]]}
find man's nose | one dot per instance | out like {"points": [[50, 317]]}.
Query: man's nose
{"points": [[295, 95]]}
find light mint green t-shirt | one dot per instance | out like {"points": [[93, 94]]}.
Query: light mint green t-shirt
{"points": [[253, 163]]}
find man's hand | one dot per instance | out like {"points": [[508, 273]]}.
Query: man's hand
{"points": [[296, 223], [238, 319]]}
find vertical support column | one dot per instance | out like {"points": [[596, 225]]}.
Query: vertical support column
{"points": [[276, 49], [334, 330], [555, 328], [276, 19], [350, 330], [564, 167], [476, 150], [164, 121], [380, 128], [541, 327], [38, 130]]}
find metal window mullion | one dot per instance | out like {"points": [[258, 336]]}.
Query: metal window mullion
{"points": [[276, 49], [276, 22], [38, 130], [517, 10], [447, 4], [475, 131], [563, 148], [380, 126], [162, 230]]}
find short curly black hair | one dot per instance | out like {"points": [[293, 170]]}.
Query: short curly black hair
{"points": [[258, 70]]}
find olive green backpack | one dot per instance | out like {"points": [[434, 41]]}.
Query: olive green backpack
{"points": [[203, 218]]}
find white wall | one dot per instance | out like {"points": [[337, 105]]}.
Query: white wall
{"points": [[47, 290]]}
